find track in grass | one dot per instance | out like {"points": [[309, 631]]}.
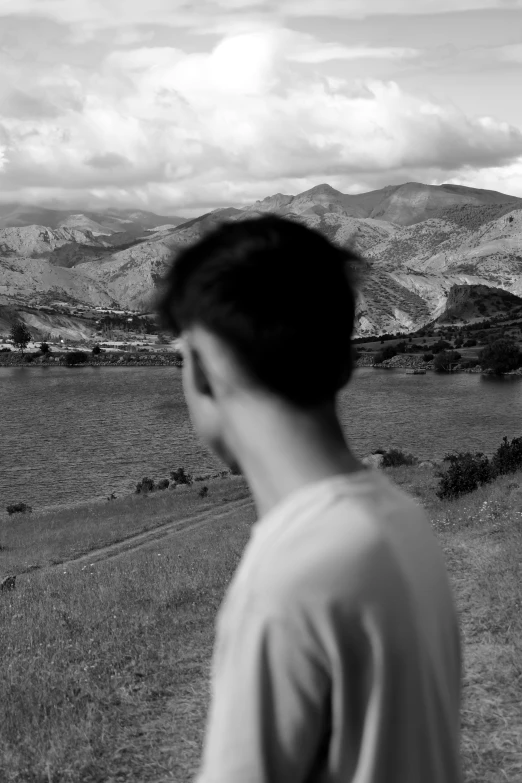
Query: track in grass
{"points": [[149, 537]]}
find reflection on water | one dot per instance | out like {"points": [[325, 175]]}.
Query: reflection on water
{"points": [[73, 434]]}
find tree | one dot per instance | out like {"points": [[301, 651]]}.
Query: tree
{"points": [[440, 345], [44, 348], [444, 359], [500, 356], [20, 335], [388, 352]]}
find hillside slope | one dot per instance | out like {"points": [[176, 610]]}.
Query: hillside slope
{"points": [[419, 242]]}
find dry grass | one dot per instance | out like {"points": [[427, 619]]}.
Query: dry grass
{"points": [[105, 674], [45, 538]]}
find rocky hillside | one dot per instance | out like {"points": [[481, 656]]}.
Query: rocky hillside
{"points": [[420, 242], [118, 226], [469, 303]]}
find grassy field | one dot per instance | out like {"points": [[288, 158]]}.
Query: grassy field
{"points": [[105, 674]]}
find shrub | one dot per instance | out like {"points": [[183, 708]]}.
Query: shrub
{"points": [[76, 357], [44, 349], [163, 484], [5, 350], [466, 472], [388, 352], [500, 356], [394, 458], [29, 357], [203, 492], [19, 508], [440, 345], [444, 360], [428, 357], [145, 486], [508, 456], [470, 343], [180, 477], [96, 350]]}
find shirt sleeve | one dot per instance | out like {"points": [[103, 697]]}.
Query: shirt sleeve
{"points": [[270, 703]]}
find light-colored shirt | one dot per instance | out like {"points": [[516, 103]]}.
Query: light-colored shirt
{"points": [[337, 656]]}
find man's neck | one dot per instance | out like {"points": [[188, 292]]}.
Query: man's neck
{"points": [[281, 449]]}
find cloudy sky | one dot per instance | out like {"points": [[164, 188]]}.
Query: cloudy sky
{"points": [[181, 106]]}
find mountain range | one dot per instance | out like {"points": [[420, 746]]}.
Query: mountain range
{"points": [[419, 243]]}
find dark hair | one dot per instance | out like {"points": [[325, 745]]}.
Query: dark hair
{"points": [[279, 294]]}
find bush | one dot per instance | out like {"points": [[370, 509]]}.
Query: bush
{"points": [[500, 356], [444, 360], [470, 343], [96, 350], [440, 345], [180, 477], [466, 473], [29, 357], [5, 350], [44, 349], [388, 352], [76, 357], [203, 492], [394, 458], [508, 457], [145, 486], [163, 484], [19, 508], [428, 357]]}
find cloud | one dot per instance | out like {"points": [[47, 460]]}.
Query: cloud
{"points": [[363, 8], [160, 126], [21, 104], [506, 179], [96, 14], [324, 53], [109, 160], [511, 53]]}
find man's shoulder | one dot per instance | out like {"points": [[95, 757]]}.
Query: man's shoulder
{"points": [[338, 547]]}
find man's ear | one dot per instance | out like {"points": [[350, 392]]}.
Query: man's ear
{"points": [[201, 376]]}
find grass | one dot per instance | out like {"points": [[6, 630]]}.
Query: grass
{"points": [[43, 538], [105, 674]]}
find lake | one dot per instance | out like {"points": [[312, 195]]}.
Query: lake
{"points": [[68, 435]]}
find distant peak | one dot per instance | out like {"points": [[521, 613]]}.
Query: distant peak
{"points": [[323, 189]]}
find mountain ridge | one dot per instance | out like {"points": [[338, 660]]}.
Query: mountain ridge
{"points": [[418, 241]]}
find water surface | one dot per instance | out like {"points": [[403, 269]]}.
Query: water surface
{"points": [[70, 434]]}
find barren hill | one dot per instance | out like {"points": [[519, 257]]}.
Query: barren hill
{"points": [[466, 303], [421, 242], [123, 225]]}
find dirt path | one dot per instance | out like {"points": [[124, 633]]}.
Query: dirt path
{"points": [[151, 537]]}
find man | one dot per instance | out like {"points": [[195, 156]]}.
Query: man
{"points": [[337, 654]]}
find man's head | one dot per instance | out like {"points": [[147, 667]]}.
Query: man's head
{"points": [[264, 307]]}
